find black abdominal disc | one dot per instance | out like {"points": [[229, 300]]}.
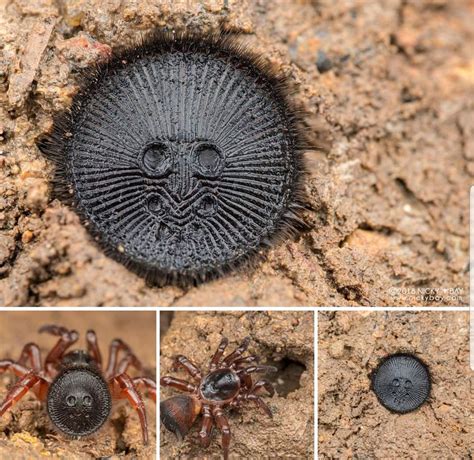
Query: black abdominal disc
{"points": [[401, 383], [183, 157], [78, 402]]}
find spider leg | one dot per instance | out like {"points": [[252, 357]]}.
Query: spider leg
{"points": [[67, 338], [116, 346], [32, 352], [122, 387], [206, 427], [238, 363], [168, 381], [218, 354], [148, 384], [246, 382], [252, 369], [129, 360], [259, 402], [237, 353], [28, 379], [93, 348], [223, 425], [9, 365], [188, 366], [263, 384]]}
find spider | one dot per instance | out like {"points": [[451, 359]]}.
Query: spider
{"points": [[77, 391], [228, 384]]}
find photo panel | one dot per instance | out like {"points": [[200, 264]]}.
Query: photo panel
{"points": [[394, 385], [78, 385], [235, 152], [251, 372]]}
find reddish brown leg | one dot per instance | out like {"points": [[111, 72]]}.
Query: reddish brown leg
{"points": [[238, 363], [259, 402], [218, 354], [263, 384], [237, 353], [252, 369], [125, 363], [32, 352], [206, 427], [188, 366], [246, 381], [27, 381], [93, 348], [179, 384], [9, 365], [67, 338], [116, 346], [148, 384], [124, 388], [223, 425]]}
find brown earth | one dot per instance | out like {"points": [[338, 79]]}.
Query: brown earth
{"points": [[25, 431], [352, 423], [388, 91], [282, 339]]}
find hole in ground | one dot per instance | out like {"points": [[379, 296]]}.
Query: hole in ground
{"points": [[287, 378]]}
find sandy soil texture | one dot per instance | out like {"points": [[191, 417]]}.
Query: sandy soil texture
{"points": [[352, 423], [282, 339], [388, 91], [25, 431]]}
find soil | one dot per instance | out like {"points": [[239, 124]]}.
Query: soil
{"points": [[282, 339], [26, 433], [387, 91], [353, 424]]}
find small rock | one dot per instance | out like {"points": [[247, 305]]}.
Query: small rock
{"points": [[27, 236], [336, 350], [323, 63], [37, 196]]}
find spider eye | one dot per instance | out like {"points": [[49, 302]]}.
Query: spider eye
{"points": [[71, 401], [87, 401]]}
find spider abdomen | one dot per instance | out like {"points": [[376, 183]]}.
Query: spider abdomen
{"points": [[179, 413], [220, 386], [183, 153], [79, 401]]}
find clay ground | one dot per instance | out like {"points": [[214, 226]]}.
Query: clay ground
{"points": [[282, 339], [352, 423], [25, 432], [387, 87]]}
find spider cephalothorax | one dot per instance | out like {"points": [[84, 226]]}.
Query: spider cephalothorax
{"points": [[227, 384], [77, 391]]}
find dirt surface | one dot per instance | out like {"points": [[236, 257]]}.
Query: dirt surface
{"points": [[26, 433], [282, 339], [353, 424], [388, 91]]}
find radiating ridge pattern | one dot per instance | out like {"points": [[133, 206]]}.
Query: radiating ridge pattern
{"points": [[184, 159], [401, 383], [79, 402]]}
